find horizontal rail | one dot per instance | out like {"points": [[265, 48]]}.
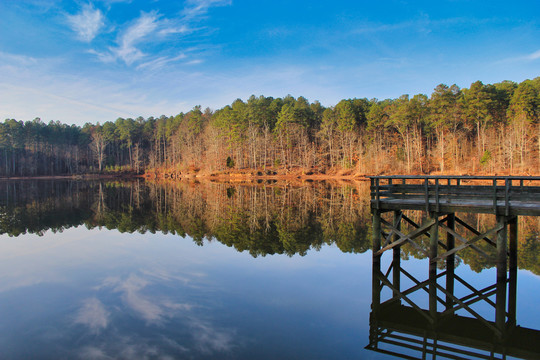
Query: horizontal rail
{"points": [[461, 177], [501, 195]]}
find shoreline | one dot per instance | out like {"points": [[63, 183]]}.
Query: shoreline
{"points": [[248, 176]]}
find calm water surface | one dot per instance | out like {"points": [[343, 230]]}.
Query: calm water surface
{"points": [[200, 271]]}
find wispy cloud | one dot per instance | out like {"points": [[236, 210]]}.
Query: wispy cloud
{"points": [[150, 309], [87, 23], [152, 28], [534, 56], [521, 58], [423, 24], [210, 339], [160, 62], [93, 314], [127, 49], [20, 60], [197, 8]]}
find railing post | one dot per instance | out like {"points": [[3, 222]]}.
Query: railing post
{"points": [[495, 196], [507, 185], [426, 191], [437, 195], [377, 192]]}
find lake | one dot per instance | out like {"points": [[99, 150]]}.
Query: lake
{"points": [[204, 270]]}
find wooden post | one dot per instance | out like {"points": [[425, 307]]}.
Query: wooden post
{"points": [[507, 186], [450, 260], [376, 283], [433, 245], [495, 196], [377, 194], [426, 191], [513, 268], [396, 261], [500, 308], [437, 195]]}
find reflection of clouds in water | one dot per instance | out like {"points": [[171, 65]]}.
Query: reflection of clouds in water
{"points": [[123, 348], [209, 339], [151, 309], [93, 353], [180, 332], [93, 315], [204, 340]]}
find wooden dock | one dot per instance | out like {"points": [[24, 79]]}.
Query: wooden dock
{"points": [[509, 195], [441, 201]]}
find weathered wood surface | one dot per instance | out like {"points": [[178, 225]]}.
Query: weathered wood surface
{"points": [[496, 195]]}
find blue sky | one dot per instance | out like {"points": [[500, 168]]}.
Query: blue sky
{"points": [[90, 61]]}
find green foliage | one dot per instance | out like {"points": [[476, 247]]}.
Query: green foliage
{"points": [[230, 162], [486, 157]]}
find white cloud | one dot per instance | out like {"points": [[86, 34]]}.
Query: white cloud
{"points": [[182, 29], [197, 8], [15, 59], [152, 28], [534, 56], [87, 23], [143, 27], [160, 62], [93, 314], [523, 58]]}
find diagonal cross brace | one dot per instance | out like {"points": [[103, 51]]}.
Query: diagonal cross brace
{"points": [[463, 240], [470, 242], [468, 308], [410, 237], [387, 282], [407, 219]]}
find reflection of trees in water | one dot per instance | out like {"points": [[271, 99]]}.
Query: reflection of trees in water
{"points": [[267, 218]]}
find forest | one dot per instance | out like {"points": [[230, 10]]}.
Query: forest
{"points": [[483, 129]]}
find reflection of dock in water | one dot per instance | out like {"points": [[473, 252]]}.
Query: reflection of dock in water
{"points": [[398, 325]]}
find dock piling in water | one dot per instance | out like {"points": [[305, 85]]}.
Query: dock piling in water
{"points": [[440, 199]]}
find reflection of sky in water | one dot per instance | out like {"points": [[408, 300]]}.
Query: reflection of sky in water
{"points": [[102, 295]]}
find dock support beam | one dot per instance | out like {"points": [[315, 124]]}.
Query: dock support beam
{"points": [[500, 309], [396, 261], [376, 284], [433, 245], [450, 261], [513, 268]]}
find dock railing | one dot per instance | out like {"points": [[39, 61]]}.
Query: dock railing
{"points": [[503, 195]]}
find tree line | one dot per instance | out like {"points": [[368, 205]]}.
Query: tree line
{"points": [[484, 128]]}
